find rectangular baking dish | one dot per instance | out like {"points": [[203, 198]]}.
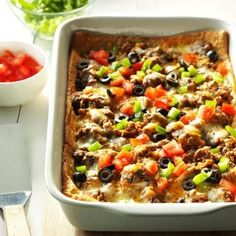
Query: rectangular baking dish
{"points": [[100, 216]]}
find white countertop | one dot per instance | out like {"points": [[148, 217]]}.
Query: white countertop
{"points": [[33, 116]]}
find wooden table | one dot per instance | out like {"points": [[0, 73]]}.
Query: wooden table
{"points": [[44, 214]]}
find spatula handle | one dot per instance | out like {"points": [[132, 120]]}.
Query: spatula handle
{"points": [[16, 221]]}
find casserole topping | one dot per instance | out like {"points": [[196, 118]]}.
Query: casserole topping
{"points": [[150, 122]]}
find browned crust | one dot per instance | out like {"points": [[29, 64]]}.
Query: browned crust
{"points": [[83, 42], [95, 41]]}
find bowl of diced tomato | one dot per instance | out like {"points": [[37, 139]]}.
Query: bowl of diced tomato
{"points": [[23, 72]]}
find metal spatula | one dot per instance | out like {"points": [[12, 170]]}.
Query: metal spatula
{"points": [[14, 179]]}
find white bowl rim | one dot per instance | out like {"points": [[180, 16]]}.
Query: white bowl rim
{"points": [[31, 45]]}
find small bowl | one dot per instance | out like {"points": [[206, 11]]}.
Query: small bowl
{"points": [[22, 91], [45, 24]]}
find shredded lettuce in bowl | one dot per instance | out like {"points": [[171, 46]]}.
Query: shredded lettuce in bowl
{"points": [[44, 16]]}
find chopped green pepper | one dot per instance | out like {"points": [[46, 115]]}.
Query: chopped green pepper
{"points": [[102, 71], [210, 103], [94, 146], [183, 89], [115, 65], [126, 147], [114, 75], [156, 68], [81, 169], [200, 178], [181, 69], [215, 150], [140, 74], [173, 113], [138, 116], [146, 65], [122, 124], [137, 106], [231, 130], [160, 129], [167, 171], [192, 70], [217, 77], [185, 74], [126, 62], [199, 78], [174, 101], [223, 164]]}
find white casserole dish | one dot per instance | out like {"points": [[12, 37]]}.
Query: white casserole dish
{"points": [[126, 216]]}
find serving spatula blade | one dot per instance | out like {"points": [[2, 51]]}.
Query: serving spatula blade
{"points": [[15, 186]]}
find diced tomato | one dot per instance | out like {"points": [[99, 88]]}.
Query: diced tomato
{"points": [[100, 56], [117, 81], [226, 184], [25, 71], [104, 161], [17, 67], [206, 112], [152, 167], [162, 102], [122, 159], [179, 169], [190, 58], [117, 91], [137, 66], [153, 93], [30, 62], [3, 69], [125, 71], [139, 140], [162, 184], [19, 59], [150, 93], [162, 153], [160, 91], [118, 165], [173, 149], [8, 54], [128, 87], [228, 109], [222, 68], [127, 109], [188, 117]]}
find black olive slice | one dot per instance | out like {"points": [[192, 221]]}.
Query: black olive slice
{"points": [[76, 106], [111, 57], [105, 79], [164, 161], [109, 93], [172, 79], [157, 137], [134, 57], [138, 90], [79, 178], [183, 64], [163, 111], [213, 56], [82, 64], [105, 175], [181, 200], [215, 177], [188, 185], [80, 84], [120, 118]]}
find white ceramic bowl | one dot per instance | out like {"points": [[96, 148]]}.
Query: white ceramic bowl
{"points": [[21, 92]]}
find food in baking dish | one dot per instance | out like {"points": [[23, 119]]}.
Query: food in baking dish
{"points": [[150, 119]]}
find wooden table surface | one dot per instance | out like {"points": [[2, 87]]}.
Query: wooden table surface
{"points": [[43, 212]]}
